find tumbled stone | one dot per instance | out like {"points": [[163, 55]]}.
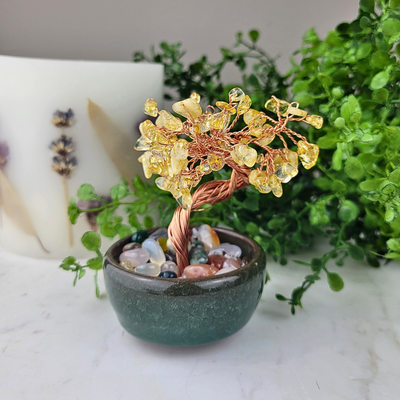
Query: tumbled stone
{"points": [[216, 260], [131, 246], [139, 236], [231, 262], [226, 248], [199, 271], [170, 256], [171, 247], [135, 257], [244, 261], [208, 236], [167, 274], [163, 243], [156, 252], [226, 270], [199, 256], [160, 232], [198, 243], [127, 265], [169, 266], [151, 269]]}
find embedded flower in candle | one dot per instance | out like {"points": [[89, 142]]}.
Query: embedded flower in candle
{"points": [[62, 146], [91, 216], [64, 162], [4, 154], [63, 119], [64, 165]]}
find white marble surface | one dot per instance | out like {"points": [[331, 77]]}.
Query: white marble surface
{"points": [[60, 342]]}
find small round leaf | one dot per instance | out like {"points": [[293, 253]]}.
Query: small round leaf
{"points": [[335, 281], [91, 240], [86, 192], [354, 168]]}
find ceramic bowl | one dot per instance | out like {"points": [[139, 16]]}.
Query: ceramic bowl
{"points": [[186, 312]]}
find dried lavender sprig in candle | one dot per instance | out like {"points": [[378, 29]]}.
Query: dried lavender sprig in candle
{"points": [[92, 216], [64, 162]]}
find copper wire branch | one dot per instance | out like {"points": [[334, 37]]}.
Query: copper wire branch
{"points": [[208, 193]]}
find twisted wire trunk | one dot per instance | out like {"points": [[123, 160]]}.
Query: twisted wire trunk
{"points": [[208, 193]]}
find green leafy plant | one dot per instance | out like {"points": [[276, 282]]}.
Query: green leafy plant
{"points": [[148, 200], [353, 196]]}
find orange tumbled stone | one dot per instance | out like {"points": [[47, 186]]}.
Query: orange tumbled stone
{"points": [[216, 260], [199, 271]]}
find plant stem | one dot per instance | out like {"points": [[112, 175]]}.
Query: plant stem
{"points": [[66, 198]]}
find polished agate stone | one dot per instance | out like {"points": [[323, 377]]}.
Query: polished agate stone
{"points": [[199, 256], [200, 271], [228, 249], [169, 266], [135, 257], [156, 252], [208, 236], [131, 246], [159, 233], [151, 269], [226, 270], [216, 260], [231, 262]]}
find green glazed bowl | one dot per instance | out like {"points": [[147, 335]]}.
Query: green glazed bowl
{"points": [[186, 312]]}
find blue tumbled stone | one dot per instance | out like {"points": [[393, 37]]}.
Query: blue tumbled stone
{"points": [[167, 274], [140, 236]]}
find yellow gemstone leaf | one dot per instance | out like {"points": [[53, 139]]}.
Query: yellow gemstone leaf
{"points": [[236, 95], [150, 108], [143, 144], [243, 154], [244, 105], [272, 105], [195, 96], [295, 111], [315, 120], [188, 108], [216, 162], [226, 106], [219, 121], [308, 154], [167, 120], [204, 169], [266, 139], [179, 154]]}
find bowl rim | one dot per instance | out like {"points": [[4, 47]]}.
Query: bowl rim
{"points": [[257, 252]]}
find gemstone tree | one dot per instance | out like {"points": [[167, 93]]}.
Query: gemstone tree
{"points": [[183, 152]]}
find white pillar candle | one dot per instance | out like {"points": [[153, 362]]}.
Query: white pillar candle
{"points": [[107, 100]]}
